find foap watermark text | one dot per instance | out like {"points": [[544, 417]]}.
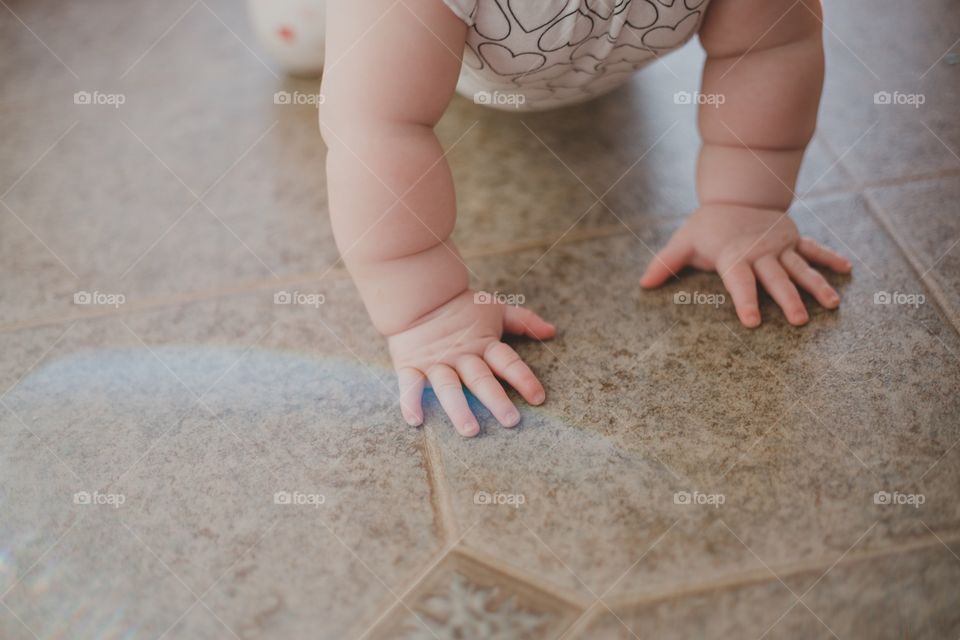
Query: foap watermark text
{"points": [[299, 499], [485, 498], [697, 498], [299, 298], [500, 99], [698, 297], [99, 298], [898, 297]]}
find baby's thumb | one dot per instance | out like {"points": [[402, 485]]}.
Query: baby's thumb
{"points": [[671, 259]]}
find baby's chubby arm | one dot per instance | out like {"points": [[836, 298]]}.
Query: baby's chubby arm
{"points": [[387, 82], [765, 60], [391, 70]]}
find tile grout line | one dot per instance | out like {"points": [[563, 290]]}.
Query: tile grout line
{"points": [[751, 578], [731, 580], [783, 571], [177, 299], [253, 286], [394, 601], [440, 501], [931, 285], [266, 284], [571, 599]]}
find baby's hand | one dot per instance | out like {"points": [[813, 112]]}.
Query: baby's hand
{"points": [[461, 341], [744, 244]]}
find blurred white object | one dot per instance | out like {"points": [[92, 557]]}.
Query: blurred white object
{"points": [[291, 32]]}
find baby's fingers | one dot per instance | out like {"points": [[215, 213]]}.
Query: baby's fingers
{"points": [[778, 284], [524, 322], [810, 279], [814, 252], [481, 381], [739, 280], [506, 363], [446, 385], [671, 259], [411, 392]]}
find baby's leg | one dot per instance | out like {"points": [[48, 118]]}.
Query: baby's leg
{"points": [[291, 32]]}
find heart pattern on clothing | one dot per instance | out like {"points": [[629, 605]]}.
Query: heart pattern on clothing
{"points": [[507, 63], [568, 31], [606, 8], [642, 14], [533, 15], [493, 25], [553, 51], [666, 37]]}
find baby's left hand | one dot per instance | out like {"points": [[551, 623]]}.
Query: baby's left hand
{"points": [[744, 244]]}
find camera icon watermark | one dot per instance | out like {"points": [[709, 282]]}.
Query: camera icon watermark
{"points": [[499, 99], [511, 299], [115, 100], [695, 97], [696, 498], [96, 498], [299, 298], [897, 297], [896, 98], [99, 298], [697, 297], [896, 498], [485, 498], [298, 98], [296, 498]]}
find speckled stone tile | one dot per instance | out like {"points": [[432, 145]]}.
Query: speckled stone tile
{"points": [[262, 467], [925, 217], [97, 580], [534, 175], [53, 50], [119, 221], [105, 198], [464, 598], [903, 55], [907, 594], [651, 401]]}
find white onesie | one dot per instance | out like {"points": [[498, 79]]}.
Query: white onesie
{"points": [[538, 54]]}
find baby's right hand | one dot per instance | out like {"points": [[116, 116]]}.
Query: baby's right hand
{"points": [[461, 341]]}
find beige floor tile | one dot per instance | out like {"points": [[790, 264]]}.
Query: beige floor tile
{"points": [[101, 212], [904, 55], [924, 217], [796, 428], [464, 598], [199, 416], [906, 594]]}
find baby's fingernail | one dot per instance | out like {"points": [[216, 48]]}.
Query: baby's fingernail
{"points": [[412, 420], [469, 429], [539, 397], [511, 418]]}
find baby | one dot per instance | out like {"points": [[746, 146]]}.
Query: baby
{"points": [[391, 69]]}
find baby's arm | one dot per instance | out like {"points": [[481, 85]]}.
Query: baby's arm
{"points": [[387, 82], [391, 70], [764, 70]]}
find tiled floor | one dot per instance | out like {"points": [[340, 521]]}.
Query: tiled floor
{"points": [[194, 408]]}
